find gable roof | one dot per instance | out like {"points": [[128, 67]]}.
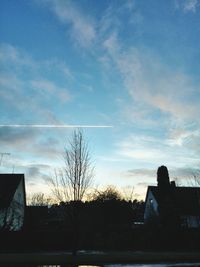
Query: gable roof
{"points": [[186, 199], [8, 186]]}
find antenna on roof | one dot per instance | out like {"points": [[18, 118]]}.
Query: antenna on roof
{"points": [[2, 154]]}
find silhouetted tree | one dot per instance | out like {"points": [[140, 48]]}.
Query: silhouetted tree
{"points": [[39, 199], [72, 181], [110, 193], [128, 193], [194, 180]]}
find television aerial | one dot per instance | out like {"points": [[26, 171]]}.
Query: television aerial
{"points": [[2, 154]]}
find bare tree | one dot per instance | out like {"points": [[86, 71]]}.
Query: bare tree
{"points": [[178, 181], [39, 199], [194, 180], [128, 193], [110, 193], [72, 181]]}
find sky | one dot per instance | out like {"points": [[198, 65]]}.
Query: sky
{"points": [[133, 65]]}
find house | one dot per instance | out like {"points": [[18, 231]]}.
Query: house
{"points": [[172, 206], [12, 201]]}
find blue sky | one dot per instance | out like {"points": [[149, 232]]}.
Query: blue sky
{"points": [[133, 65]]}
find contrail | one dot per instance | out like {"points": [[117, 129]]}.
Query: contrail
{"points": [[53, 126]]}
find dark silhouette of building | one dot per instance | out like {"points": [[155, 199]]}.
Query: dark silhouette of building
{"points": [[167, 205], [12, 201]]}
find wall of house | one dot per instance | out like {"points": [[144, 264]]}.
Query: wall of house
{"points": [[190, 221], [151, 208], [19, 207], [15, 212], [2, 217]]}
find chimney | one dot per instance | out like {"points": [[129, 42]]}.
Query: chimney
{"points": [[163, 178], [173, 184]]}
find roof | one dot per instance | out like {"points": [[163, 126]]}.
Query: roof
{"points": [[186, 199], [8, 186]]}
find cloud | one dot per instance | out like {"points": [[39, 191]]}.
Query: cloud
{"points": [[132, 147], [149, 82], [183, 172], [30, 142], [184, 137], [111, 44], [49, 89], [15, 57], [16, 137], [191, 5], [11, 92], [153, 86], [82, 27], [33, 172], [50, 148], [86, 30], [144, 149], [18, 60], [189, 141], [36, 172], [141, 172], [33, 152], [161, 108], [187, 5], [118, 16], [23, 88], [192, 142]]}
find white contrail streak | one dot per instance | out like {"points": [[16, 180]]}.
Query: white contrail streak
{"points": [[53, 126]]}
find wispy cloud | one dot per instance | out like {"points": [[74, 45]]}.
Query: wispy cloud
{"points": [[157, 151], [15, 56], [111, 44], [118, 16], [163, 100], [152, 85], [182, 137], [182, 173], [82, 27], [141, 172], [47, 89], [35, 172], [162, 105], [28, 146], [187, 5], [16, 137], [23, 88]]}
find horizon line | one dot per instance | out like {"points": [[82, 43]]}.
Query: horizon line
{"points": [[53, 126]]}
